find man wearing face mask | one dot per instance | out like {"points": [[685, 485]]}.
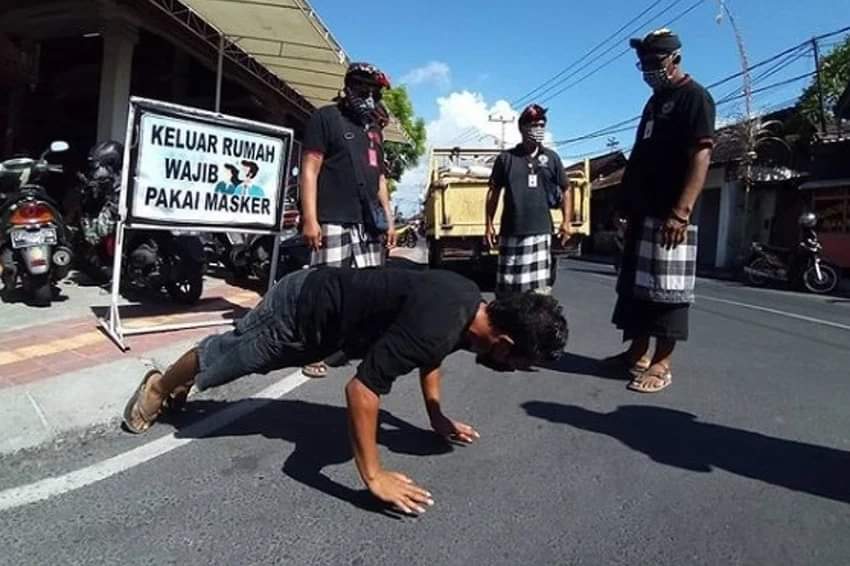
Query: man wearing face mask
{"points": [[343, 179], [663, 179], [534, 181]]}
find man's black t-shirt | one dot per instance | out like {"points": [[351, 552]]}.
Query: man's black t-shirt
{"points": [[396, 320], [331, 132], [526, 211], [673, 121]]}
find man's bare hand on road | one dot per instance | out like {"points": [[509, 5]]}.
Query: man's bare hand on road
{"points": [[400, 491], [454, 430]]}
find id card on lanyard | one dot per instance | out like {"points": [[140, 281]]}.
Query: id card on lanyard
{"points": [[532, 176], [374, 138]]}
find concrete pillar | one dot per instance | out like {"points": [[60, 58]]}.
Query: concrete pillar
{"points": [[726, 223], [119, 40]]}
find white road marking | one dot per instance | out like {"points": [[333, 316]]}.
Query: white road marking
{"points": [[754, 307], [777, 312], [51, 487]]}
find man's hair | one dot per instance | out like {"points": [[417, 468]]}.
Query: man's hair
{"points": [[535, 322], [253, 168]]}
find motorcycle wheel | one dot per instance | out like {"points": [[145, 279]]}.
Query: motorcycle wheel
{"points": [[238, 260], [760, 264], [827, 283], [188, 289], [40, 290], [410, 242]]}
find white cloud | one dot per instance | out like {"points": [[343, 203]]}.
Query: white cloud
{"points": [[463, 120], [435, 73]]}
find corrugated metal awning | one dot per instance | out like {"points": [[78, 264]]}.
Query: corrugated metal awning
{"points": [[289, 39]]}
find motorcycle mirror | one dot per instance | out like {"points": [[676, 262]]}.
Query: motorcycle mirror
{"points": [[59, 146], [55, 147]]}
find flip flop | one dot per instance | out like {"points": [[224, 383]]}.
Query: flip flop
{"points": [[134, 406], [663, 378], [315, 370]]}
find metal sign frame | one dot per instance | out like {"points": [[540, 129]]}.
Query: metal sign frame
{"points": [[112, 324]]}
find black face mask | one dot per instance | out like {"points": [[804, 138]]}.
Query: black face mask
{"points": [[362, 104]]}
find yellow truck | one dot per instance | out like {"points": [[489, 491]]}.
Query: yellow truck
{"points": [[455, 209]]}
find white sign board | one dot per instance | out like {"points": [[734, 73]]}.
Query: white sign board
{"points": [[197, 170]]}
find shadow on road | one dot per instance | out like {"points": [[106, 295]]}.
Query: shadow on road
{"points": [[320, 435], [227, 309], [583, 365], [676, 438]]}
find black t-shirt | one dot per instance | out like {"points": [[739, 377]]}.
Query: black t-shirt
{"points": [[673, 122], [396, 320], [526, 210], [331, 132]]}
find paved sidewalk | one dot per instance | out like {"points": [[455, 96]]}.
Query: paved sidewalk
{"points": [[66, 374]]}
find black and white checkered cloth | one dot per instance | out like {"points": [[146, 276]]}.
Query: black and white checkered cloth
{"points": [[524, 263], [347, 245], [662, 275]]}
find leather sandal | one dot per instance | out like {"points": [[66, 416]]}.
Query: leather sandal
{"points": [[660, 378], [136, 420]]}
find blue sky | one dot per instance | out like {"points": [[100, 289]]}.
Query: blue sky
{"points": [[465, 59]]}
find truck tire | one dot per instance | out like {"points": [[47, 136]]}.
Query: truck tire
{"points": [[435, 254]]}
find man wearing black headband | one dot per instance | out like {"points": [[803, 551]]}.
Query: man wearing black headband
{"points": [[664, 177]]}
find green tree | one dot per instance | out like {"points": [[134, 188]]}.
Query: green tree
{"points": [[834, 76], [403, 156]]}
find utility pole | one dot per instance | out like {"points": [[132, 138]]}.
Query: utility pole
{"points": [[751, 123], [821, 112], [502, 120]]}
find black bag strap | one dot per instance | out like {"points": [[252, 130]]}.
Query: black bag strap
{"points": [[356, 165]]}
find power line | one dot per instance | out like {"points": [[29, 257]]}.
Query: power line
{"points": [[620, 54], [587, 54], [690, 9], [792, 50], [470, 132]]}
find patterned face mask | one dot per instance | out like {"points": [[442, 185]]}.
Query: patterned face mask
{"points": [[657, 79], [362, 104], [534, 134]]}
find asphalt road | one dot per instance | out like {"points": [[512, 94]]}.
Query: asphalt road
{"points": [[745, 459]]}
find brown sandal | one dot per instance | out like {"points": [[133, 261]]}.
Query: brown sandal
{"points": [[661, 377], [623, 360], [135, 419]]}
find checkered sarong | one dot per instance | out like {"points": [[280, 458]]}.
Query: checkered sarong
{"points": [[665, 276], [524, 263], [347, 245]]}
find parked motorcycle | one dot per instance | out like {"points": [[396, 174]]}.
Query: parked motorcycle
{"points": [[250, 255], [803, 266], [33, 237], [153, 258], [407, 237]]}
